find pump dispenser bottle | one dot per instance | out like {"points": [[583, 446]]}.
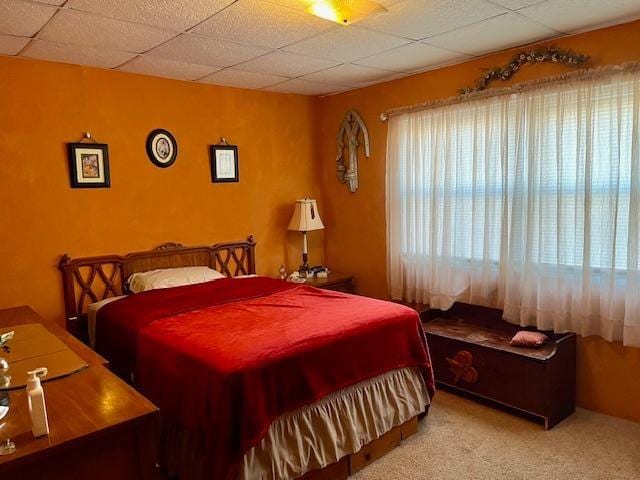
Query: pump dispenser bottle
{"points": [[37, 405]]}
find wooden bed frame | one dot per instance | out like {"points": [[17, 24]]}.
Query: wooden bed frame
{"points": [[91, 279], [368, 454]]}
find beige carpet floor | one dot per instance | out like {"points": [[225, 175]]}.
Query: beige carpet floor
{"points": [[463, 440]]}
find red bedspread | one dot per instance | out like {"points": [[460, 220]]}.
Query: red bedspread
{"points": [[223, 359]]}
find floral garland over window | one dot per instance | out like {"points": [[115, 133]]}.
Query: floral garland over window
{"points": [[541, 55]]}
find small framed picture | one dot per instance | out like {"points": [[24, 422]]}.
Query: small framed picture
{"points": [[162, 148], [224, 163], [89, 165]]}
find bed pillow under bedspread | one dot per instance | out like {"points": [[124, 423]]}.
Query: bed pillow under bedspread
{"points": [[223, 359]]}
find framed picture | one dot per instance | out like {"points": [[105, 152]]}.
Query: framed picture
{"points": [[162, 148], [89, 165], [224, 163]]}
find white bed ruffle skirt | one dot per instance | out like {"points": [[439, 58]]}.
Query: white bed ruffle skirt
{"points": [[316, 435], [338, 425]]}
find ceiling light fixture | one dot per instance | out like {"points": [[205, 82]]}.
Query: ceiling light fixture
{"points": [[344, 12]]}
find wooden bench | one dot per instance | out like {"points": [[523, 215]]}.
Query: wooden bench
{"points": [[470, 352]]}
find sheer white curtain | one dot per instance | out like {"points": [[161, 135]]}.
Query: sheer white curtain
{"points": [[529, 202]]}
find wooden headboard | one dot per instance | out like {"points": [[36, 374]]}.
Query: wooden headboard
{"points": [[91, 279]]}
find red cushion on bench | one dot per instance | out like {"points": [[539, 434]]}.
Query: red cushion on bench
{"points": [[525, 338]]}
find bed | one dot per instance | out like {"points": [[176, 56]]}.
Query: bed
{"points": [[255, 378]]}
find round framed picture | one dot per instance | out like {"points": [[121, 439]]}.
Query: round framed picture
{"points": [[162, 148]]}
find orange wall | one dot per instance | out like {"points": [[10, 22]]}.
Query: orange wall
{"points": [[43, 105], [286, 145], [355, 223]]}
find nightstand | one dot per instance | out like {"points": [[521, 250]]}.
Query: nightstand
{"points": [[340, 282]]}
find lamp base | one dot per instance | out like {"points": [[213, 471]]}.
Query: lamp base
{"points": [[304, 268]]}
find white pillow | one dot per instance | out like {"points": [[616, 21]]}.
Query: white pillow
{"points": [[171, 277]]}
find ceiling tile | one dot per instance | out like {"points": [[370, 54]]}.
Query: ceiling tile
{"points": [[571, 15], [418, 19], [206, 51], [161, 67], [94, 57], [79, 28], [10, 45], [346, 44], [239, 78], [255, 22], [23, 19], [347, 74], [168, 14], [496, 33], [57, 3], [301, 5], [516, 4], [304, 4], [410, 58], [388, 3], [389, 78], [286, 64], [303, 87]]}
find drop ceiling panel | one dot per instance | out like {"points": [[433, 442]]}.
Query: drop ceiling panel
{"points": [[168, 14], [286, 64], [161, 67], [79, 28], [389, 78], [304, 4], [516, 4], [303, 87], [206, 51], [301, 5], [10, 45], [57, 3], [94, 57], [256, 22], [410, 58], [571, 15], [348, 74], [23, 19], [417, 19], [496, 33], [345, 44], [268, 43], [388, 3], [241, 79]]}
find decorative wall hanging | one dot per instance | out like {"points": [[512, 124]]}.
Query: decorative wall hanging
{"points": [[583, 74], [352, 126], [540, 55], [89, 163], [162, 148], [224, 162]]}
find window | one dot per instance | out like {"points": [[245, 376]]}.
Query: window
{"points": [[527, 201]]}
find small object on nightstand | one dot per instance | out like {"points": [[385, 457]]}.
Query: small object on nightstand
{"points": [[319, 271], [283, 272], [295, 277]]}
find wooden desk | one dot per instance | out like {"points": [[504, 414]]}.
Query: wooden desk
{"points": [[101, 428]]}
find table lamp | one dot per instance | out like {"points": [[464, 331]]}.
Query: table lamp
{"points": [[305, 219]]}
